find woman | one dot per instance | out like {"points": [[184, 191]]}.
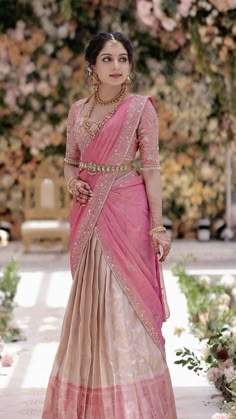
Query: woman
{"points": [[110, 363]]}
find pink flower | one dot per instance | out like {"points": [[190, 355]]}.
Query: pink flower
{"points": [[219, 416], [184, 7], [7, 360], [145, 14]]}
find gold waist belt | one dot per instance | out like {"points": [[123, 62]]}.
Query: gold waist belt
{"points": [[93, 168]]}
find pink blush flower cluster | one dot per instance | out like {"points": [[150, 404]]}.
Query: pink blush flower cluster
{"points": [[7, 360]]}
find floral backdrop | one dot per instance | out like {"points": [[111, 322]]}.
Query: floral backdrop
{"points": [[185, 58]]}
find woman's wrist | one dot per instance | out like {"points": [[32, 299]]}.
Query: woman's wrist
{"points": [[157, 229], [71, 183]]}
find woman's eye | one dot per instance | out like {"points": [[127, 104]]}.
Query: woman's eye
{"points": [[123, 59], [106, 59]]}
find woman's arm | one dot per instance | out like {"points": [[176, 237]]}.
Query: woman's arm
{"points": [[72, 157], [150, 166], [80, 190]]}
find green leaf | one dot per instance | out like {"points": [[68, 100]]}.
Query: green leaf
{"points": [[66, 8]]}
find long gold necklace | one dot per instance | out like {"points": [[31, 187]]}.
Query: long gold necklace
{"points": [[92, 128], [115, 99]]}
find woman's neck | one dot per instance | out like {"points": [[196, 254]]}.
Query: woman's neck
{"points": [[107, 92]]}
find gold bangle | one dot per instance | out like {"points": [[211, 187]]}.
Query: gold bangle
{"points": [[157, 229], [70, 182]]}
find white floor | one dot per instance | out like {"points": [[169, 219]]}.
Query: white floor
{"points": [[40, 303]]}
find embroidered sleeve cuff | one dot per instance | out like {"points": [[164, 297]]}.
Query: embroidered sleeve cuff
{"points": [[151, 167]]}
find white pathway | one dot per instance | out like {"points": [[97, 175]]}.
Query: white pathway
{"points": [[40, 303]]}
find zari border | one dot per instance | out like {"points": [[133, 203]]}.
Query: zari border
{"points": [[105, 181], [132, 298]]}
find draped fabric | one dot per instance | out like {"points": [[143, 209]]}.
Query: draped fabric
{"points": [[101, 369]]}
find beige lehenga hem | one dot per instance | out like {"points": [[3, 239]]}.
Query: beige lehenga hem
{"points": [[107, 365]]}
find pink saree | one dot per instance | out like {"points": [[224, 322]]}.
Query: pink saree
{"points": [[110, 362]]}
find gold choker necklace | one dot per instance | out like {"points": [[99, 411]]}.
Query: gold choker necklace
{"points": [[92, 128], [115, 99]]}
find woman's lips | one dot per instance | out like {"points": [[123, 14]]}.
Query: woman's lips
{"points": [[115, 76]]}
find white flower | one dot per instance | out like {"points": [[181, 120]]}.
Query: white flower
{"points": [[225, 299], [35, 104], [43, 88], [19, 31], [184, 7], [223, 307], [167, 23], [4, 69], [7, 180], [219, 416], [3, 197], [233, 292], [54, 80], [230, 374], [49, 28], [226, 334], [233, 331], [62, 31], [27, 88], [213, 373], [49, 48], [228, 281], [67, 70], [205, 279], [38, 8], [10, 97], [2, 298], [1, 344]]}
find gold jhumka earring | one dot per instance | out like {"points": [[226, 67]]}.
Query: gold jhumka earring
{"points": [[128, 80], [94, 79]]}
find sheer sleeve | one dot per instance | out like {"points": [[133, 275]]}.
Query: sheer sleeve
{"points": [[72, 149], [148, 138], [150, 163]]}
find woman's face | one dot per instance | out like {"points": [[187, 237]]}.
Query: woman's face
{"points": [[112, 64]]}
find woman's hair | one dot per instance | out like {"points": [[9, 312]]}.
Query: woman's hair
{"points": [[97, 43]]}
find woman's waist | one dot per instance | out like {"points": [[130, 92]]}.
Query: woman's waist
{"points": [[94, 168]]}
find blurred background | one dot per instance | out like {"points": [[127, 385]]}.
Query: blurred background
{"points": [[185, 58], [185, 55]]}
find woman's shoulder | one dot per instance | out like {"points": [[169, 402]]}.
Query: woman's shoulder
{"points": [[78, 103], [148, 102]]}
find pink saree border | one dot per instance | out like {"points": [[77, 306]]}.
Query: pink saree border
{"points": [[105, 181], [155, 395]]}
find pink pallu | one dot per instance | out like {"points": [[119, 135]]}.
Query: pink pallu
{"points": [[128, 251]]}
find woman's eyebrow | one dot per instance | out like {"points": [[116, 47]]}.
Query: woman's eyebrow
{"points": [[107, 53]]}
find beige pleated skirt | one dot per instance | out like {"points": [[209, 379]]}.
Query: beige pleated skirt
{"points": [[107, 365]]}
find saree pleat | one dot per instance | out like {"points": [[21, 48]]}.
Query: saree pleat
{"points": [[107, 366]]}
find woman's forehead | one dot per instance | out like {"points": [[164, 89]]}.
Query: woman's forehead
{"points": [[113, 49]]}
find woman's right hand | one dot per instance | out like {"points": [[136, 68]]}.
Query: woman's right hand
{"points": [[162, 244], [82, 192]]}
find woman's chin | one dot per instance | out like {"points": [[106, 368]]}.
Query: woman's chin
{"points": [[115, 82]]}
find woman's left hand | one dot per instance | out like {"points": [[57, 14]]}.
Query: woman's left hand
{"points": [[161, 244]]}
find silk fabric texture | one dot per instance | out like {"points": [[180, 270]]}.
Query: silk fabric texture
{"points": [[111, 248]]}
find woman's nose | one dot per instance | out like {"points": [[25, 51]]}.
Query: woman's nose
{"points": [[116, 64]]}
